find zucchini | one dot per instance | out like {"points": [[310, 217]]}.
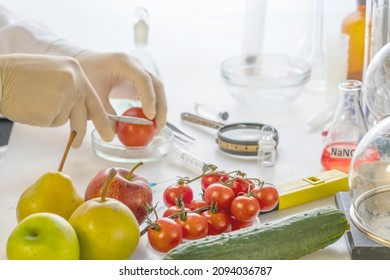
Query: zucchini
{"points": [[288, 238]]}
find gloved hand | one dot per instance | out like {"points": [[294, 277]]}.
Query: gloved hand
{"points": [[109, 72], [44, 90]]}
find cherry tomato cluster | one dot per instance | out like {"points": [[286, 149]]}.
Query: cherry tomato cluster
{"points": [[229, 201]]}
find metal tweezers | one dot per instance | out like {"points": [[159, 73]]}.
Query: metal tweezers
{"points": [[174, 128]]}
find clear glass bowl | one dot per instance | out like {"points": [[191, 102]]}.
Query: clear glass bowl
{"points": [[271, 79], [117, 152]]}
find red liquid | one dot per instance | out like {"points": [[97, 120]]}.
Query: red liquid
{"points": [[338, 156]]}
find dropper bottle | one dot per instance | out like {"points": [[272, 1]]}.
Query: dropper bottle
{"points": [[141, 49]]}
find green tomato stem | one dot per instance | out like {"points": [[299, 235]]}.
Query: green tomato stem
{"points": [[174, 216]]}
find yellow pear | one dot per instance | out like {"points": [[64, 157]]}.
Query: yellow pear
{"points": [[107, 229], [53, 192]]}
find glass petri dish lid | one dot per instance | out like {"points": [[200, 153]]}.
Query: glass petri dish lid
{"points": [[117, 152]]}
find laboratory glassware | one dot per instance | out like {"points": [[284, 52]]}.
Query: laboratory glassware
{"points": [[377, 32], [315, 54], [347, 128], [254, 26], [266, 155], [336, 63], [369, 175], [354, 24], [276, 80], [336, 68], [141, 48], [377, 85], [369, 181]]}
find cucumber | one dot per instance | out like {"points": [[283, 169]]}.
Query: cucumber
{"points": [[285, 239]]}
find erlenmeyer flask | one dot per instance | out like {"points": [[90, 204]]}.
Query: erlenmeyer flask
{"points": [[347, 129]]}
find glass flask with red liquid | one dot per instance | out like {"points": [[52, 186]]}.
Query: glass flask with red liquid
{"points": [[347, 129]]}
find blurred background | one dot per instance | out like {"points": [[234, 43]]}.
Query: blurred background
{"points": [[184, 36], [201, 31]]}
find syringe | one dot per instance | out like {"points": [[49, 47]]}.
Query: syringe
{"points": [[188, 160], [184, 159]]}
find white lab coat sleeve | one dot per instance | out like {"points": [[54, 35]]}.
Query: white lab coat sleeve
{"points": [[28, 36]]}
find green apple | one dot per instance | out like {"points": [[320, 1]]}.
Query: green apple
{"points": [[43, 236]]}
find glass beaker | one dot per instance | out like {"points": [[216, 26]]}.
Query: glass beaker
{"points": [[347, 128]]}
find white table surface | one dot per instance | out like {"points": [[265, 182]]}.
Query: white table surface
{"points": [[189, 41]]}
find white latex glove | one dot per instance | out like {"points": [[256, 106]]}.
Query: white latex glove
{"points": [[45, 90], [110, 71]]}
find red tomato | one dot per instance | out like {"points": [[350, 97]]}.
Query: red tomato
{"points": [[135, 135], [245, 208], [218, 222], [174, 210], [241, 186], [236, 224], [220, 195], [213, 177], [268, 197], [194, 226], [166, 236], [174, 192], [197, 203]]}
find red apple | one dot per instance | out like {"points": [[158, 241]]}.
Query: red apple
{"points": [[129, 188]]}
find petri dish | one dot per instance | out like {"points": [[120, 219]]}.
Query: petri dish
{"points": [[115, 151]]}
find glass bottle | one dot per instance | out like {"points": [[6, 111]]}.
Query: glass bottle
{"points": [[354, 25], [266, 155], [141, 49], [347, 128]]}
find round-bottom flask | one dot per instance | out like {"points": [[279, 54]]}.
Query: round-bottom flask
{"points": [[369, 175]]}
